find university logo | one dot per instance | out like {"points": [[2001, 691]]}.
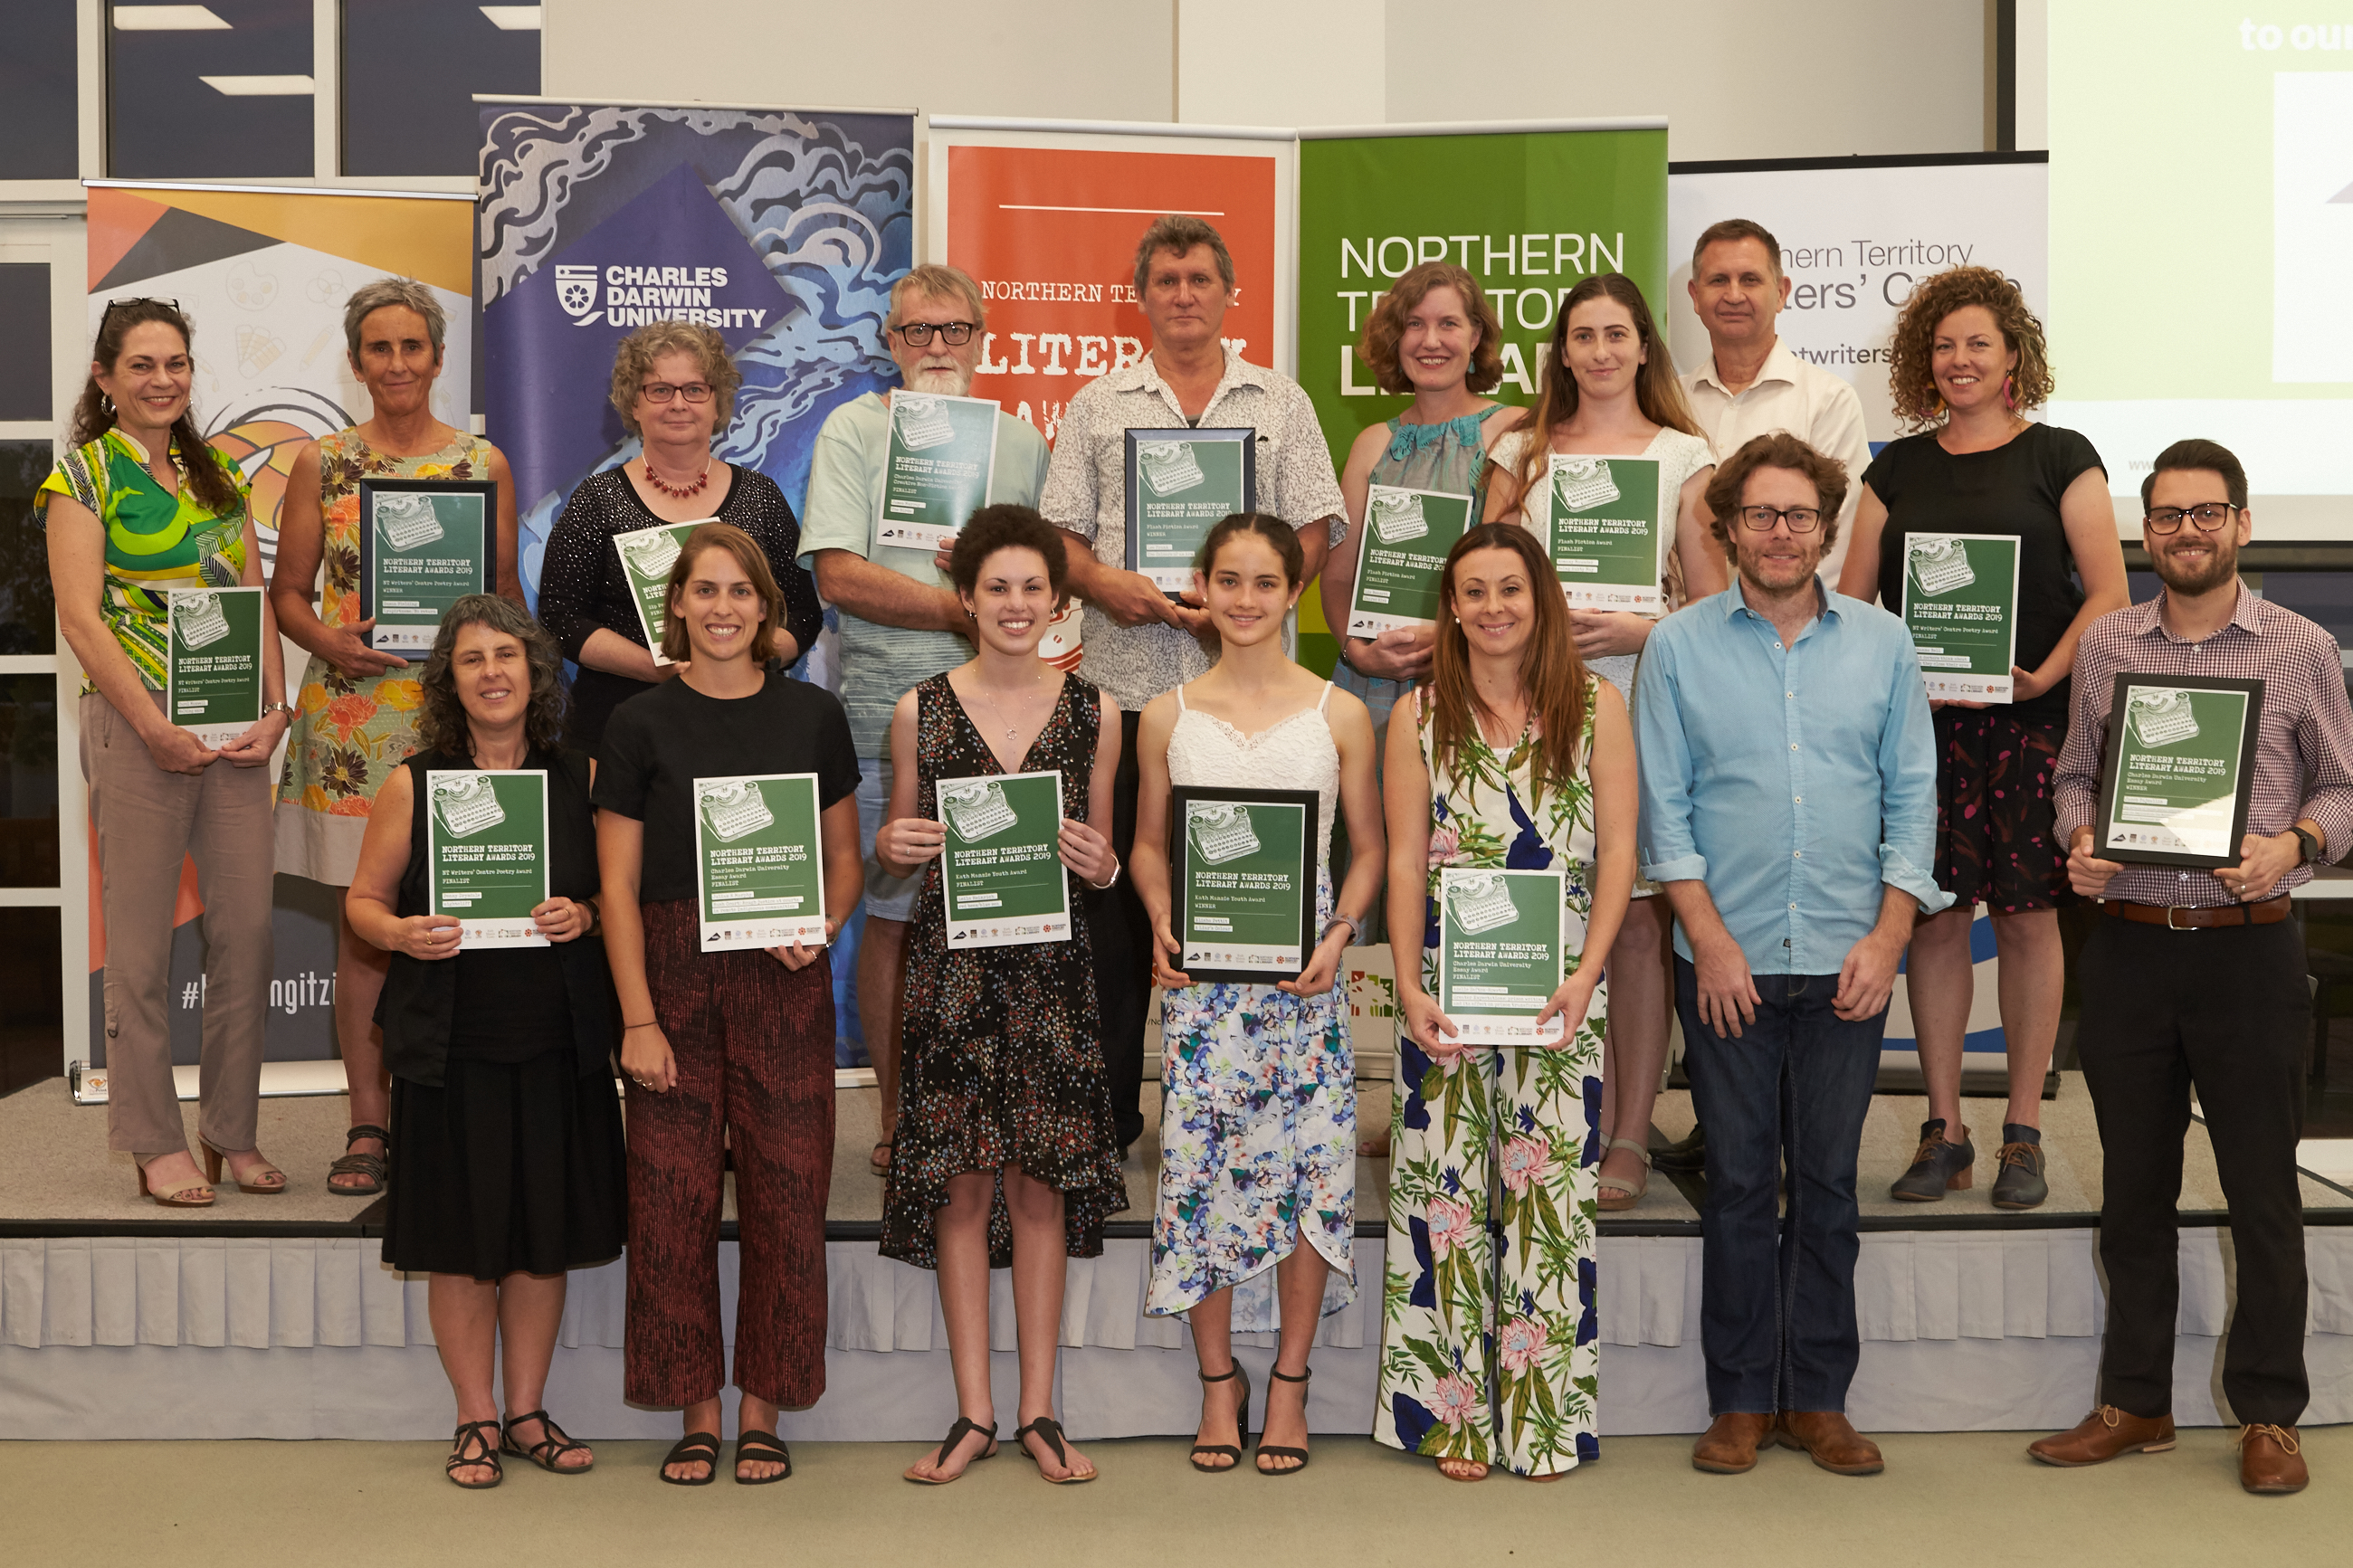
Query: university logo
{"points": [[576, 290]]}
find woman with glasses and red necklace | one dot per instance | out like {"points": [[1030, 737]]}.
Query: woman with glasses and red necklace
{"points": [[674, 387]]}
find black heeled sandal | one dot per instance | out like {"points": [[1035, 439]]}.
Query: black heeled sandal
{"points": [[553, 1443], [695, 1449], [760, 1448], [1048, 1428], [476, 1445], [965, 1428], [1279, 1453], [1241, 1426]]}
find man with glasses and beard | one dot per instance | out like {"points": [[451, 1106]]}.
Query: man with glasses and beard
{"points": [[2195, 983], [901, 621]]}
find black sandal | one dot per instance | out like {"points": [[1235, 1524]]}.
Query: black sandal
{"points": [[473, 1448], [965, 1428], [1048, 1428], [1242, 1427], [372, 1166], [1298, 1454], [756, 1447], [553, 1444], [696, 1448]]}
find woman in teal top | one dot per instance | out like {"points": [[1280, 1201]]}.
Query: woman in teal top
{"points": [[138, 510]]}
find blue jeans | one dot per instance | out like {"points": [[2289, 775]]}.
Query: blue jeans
{"points": [[1776, 1310]]}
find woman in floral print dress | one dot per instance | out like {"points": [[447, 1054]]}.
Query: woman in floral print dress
{"points": [[1517, 757], [355, 718]]}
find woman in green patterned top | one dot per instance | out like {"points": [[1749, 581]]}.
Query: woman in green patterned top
{"points": [[138, 509]]}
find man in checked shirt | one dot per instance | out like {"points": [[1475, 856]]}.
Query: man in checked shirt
{"points": [[2197, 981]]}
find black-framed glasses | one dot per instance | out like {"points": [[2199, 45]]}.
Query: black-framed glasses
{"points": [[918, 333], [114, 305], [2209, 516], [663, 391], [1761, 518]]}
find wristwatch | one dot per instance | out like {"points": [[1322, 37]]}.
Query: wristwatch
{"points": [[269, 708], [2311, 846]]}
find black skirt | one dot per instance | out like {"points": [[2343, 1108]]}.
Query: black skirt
{"points": [[508, 1168]]}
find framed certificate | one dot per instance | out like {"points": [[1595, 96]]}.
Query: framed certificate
{"points": [[935, 474], [424, 545], [1608, 542], [1001, 870], [647, 555], [759, 862], [212, 679], [1242, 878], [1400, 553], [1502, 953], [1181, 484], [2180, 765], [486, 852], [1961, 605]]}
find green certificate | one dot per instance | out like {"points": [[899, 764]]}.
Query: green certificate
{"points": [[2181, 767], [937, 472], [1501, 954], [1400, 552], [1001, 870], [647, 555], [759, 862], [1181, 484], [212, 685], [424, 545], [486, 853], [1961, 605], [1244, 868], [1608, 542]]}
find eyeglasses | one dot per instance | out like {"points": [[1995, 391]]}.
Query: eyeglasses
{"points": [[1761, 518], [918, 333], [662, 391], [2210, 515], [114, 305]]}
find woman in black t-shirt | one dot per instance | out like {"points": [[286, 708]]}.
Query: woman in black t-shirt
{"points": [[1967, 361], [728, 1051]]}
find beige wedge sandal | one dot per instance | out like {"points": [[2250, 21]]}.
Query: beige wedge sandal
{"points": [[1616, 1194]]}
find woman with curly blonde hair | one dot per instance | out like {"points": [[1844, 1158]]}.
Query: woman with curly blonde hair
{"points": [[1968, 364]]}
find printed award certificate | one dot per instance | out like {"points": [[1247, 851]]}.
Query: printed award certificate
{"points": [[1243, 880], [424, 545], [1608, 542], [937, 472], [1400, 552], [1501, 954], [759, 862], [1961, 605], [2181, 767], [647, 555], [1181, 484], [486, 853], [1001, 871], [212, 683]]}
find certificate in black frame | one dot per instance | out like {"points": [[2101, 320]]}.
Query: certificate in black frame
{"points": [[1181, 858], [2111, 765], [371, 491]]}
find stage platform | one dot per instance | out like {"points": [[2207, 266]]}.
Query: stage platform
{"points": [[275, 1316]]}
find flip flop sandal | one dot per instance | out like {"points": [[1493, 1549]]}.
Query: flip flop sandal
{"points": [[475, 1446], [965, 1428], [1048, 1428], [553, 1444], [761, 1447], [372, 1166], [694, 1448]]}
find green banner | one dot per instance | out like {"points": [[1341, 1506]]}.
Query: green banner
{"points": [[1401, 551], [1499, 954], [647, 556], [759, 862], [1001, 870], [1602, 517], [212, 684], [1961, 605], [486, 852], [935, 475], [1247, 885], [2177, 770]]}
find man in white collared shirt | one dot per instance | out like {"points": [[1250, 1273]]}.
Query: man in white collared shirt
{"points": [[1751, 384]]}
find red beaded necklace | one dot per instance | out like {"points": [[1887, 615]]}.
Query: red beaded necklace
{"points": [[678, 491]]}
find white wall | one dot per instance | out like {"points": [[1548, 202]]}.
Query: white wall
{"points": [[1281, 62]]}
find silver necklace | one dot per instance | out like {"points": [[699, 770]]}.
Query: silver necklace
{"points": [[1011, 733]]}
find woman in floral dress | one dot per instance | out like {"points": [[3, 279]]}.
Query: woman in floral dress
{"points": [[355, 718], [1517, 757]]}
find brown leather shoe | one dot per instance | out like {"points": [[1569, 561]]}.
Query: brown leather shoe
{"points": [[1728, 1447], [2270, 1459], [2101, 1435], [1831, 1439]]}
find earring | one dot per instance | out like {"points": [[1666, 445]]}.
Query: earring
{"points": [[2009, 395]]}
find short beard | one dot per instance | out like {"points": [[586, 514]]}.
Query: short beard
{"points": [[2219, 569], [947, 380]]}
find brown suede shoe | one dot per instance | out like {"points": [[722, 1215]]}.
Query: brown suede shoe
{"points": [[2270, 1459], [2101, 1435], [1831, 1439], [1728, 1447]]}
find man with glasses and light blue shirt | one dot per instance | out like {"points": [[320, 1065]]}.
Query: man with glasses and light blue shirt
{"points": [[901, 621], [1789, 808]]}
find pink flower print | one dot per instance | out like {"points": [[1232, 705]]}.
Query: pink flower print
{"points": [[1450, 1226], [1452, 1400], [1519, 1343], [1443, 844], [1526, 1162]]}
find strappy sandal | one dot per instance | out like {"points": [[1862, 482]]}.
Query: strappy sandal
{"points": [[1279, 1453], [1242, 1427], [475, 1448], [194, 1195], [1617, 1197], [965, 1428], [372, 1166], [758, 1447], [213, 1158], [1048, 1428], [696, 1448], [553, 1444]]}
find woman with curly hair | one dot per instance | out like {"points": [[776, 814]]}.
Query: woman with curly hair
{"points": [[1968, 363], [504, 1123]]}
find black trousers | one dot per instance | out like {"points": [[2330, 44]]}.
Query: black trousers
{"points": [[2225, 1010], [1123, 939]]}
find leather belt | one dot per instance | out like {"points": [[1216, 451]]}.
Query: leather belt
{"points": [[2271, 911]]}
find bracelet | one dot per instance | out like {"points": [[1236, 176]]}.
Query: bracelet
{"points": [[1355, 928], [1107, 886], [286, 707], [647, 1024]]}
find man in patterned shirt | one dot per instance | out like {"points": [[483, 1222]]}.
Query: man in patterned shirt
{"points": [[1144, 643], [2196, 981]]}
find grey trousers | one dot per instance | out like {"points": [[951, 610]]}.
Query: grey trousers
{"points": [[147, 822]]}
